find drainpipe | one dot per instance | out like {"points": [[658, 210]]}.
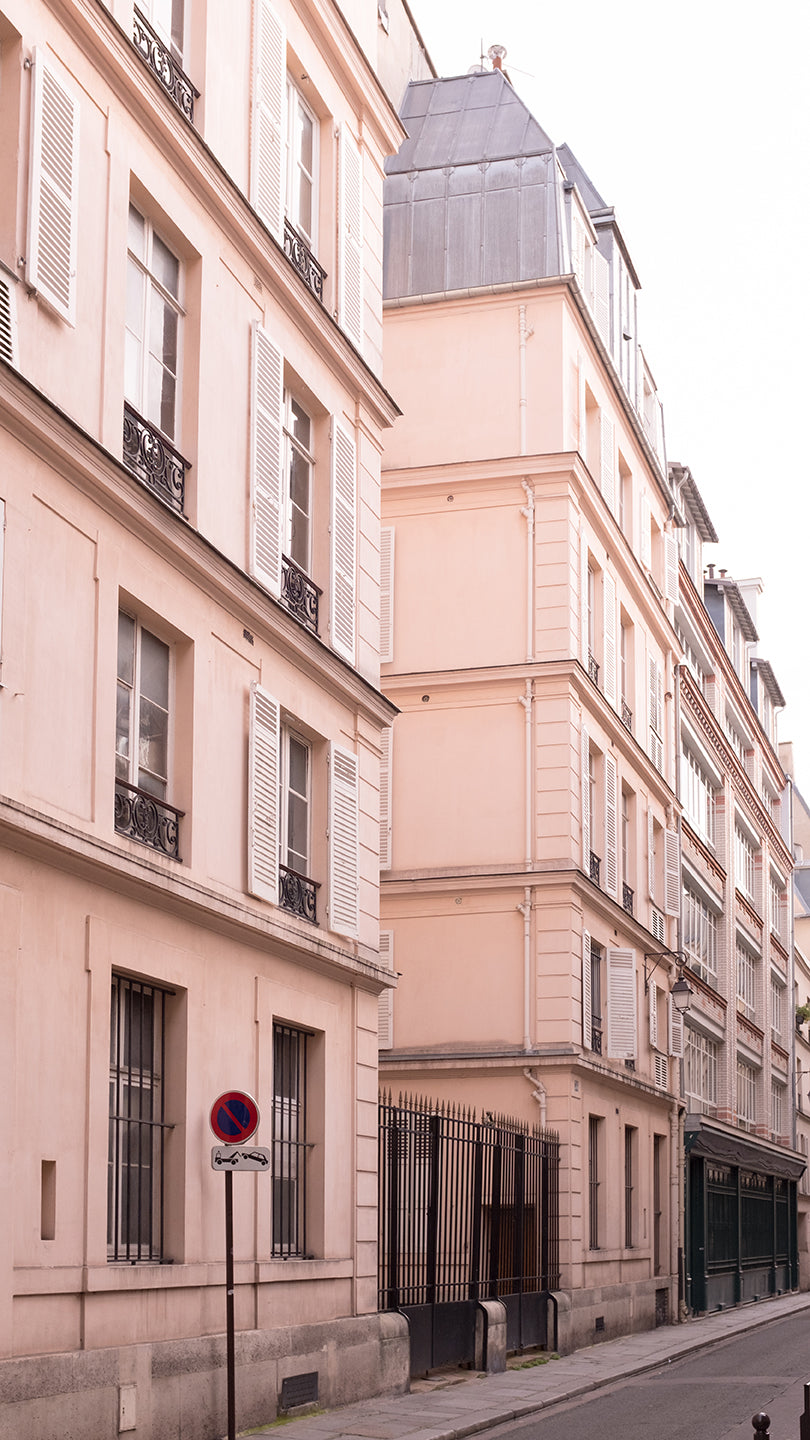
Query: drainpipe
{"points": [[539, 1093], [526, 702], [527, 512], [526, 911], [524, 333]]}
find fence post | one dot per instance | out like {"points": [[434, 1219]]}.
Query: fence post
{"points": [[804, 1420], [761, 1424]]}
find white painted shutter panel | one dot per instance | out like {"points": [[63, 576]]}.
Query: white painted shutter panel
{"points": [[609, 652], [586, 803], [344, 842], [266, 459], [652, 996], [607, 465], [350, 243], [53, 189], [587, 1012], [583, 597], [385, 1019], [601, 295], [671, 581], [269, 108], [386, 740], [387, 593], [676, 1028], [611, 827], [651, 854], [621, 1004], [645, 537], [582, 442], [656, 707], [8, 322], [672, 873], [344, 544], [2, 553], [263, 790], [661, 1072]]}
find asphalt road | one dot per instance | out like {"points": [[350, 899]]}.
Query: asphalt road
{"points": [[708, 1396]]}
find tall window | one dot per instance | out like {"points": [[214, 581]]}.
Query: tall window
{"points": [[700, 935], [744, 862], [746, 1093], [698, 795], [153, 313], [142, 709], [630, 1134], [295, 802], [776, 896], [746, 980], [289, 1140], [594, 1137], [777, 1008], [700, 1070], [166, 19], [596, 998], [302, 166], [777, 1109], [299, 461], [137, 1125]]}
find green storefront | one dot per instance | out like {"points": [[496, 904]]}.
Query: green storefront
{"points": [[741, 1225]]}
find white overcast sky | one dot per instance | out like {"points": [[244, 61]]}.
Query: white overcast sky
{"points": [[693, 121]]}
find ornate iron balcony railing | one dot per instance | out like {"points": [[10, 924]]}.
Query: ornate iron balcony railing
{"points": [[154, 461], [297, 894], [159, 59], [300, 594], [596, 1038], [595, 864], [627, 899], [627, 716], [593, 668], [144, 817], [301, 257]]}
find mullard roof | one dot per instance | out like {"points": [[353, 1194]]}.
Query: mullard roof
{"points": [[474, 197]]}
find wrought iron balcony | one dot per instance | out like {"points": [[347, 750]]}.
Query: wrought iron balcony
{"points": [[595, 865], [301, 257], [627, 716], [154, 461], [161, 62], [299, 594], [593, 668], [297, 894], [596, 1037], [144, 817], [627, 899]]}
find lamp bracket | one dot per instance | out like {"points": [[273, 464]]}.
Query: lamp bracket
{"points": [[658, 956]]}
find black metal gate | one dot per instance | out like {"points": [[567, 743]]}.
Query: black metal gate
{"points": [[469, 1210]]}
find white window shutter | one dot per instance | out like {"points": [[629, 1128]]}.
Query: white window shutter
{"points": [[661, 1072], [607, 466], [652, 997], [586, 802], [344, 543], [609, 651], [267, 167], [651, 854], [583, 597], [53, 189], [263, 792], [601, 296], [671, 580], [645, 533], [385, 1018], [386, 593], [266, 459], [344, 842], [611, 827], [2, 554], [587, 1012], [672, 873], [582, 410], [386, 740], [8, 322], [350, 238], [676, 1028], [621, 1004]]}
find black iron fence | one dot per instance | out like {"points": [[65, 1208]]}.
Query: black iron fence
{"points": [[469, 1209]]}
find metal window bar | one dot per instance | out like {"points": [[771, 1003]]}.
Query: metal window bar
{"points": [[289, 1180], [137, 1127], [628, 1188], [593, 1182]]}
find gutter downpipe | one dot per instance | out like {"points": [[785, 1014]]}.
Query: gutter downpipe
{"points": [[527, 511], [679, 1200], [526, 908]]}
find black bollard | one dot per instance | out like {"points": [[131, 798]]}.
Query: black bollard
{"points": [[761, 1424]]}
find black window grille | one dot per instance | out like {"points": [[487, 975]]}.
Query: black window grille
{"points": [[137, 1127], [289, 1140], [593, 1181], [629, 1138]]}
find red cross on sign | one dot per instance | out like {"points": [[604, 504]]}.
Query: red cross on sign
{"points": [[234, 1117]]}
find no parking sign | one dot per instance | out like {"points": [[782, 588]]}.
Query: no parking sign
{"points": [[234, 1117]]}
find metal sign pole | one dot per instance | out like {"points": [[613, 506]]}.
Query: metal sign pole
{"points": [[229, 1316]]}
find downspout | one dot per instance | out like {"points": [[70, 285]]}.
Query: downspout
{"points": [[526, 911], [526, 908], [680, 1156], [527, 512], [524, 332], [526, 701], [539, 1093]]}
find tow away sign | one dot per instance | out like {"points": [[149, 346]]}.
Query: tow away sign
{"points": [[240, 1157]]}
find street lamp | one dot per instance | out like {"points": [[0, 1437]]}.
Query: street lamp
{"points": [[682, 993]]}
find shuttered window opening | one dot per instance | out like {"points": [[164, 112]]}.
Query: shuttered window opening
{"points": [[621, 1004], [386, 741], [675, 1025], [609, 606], [385, 1018], [344, 838], [266, 452], [344, 543], [267, 169], [611, 827], [8, 322], [672, 873], [587, 1005], [386, 593], [53, 189], [263, 793], [608, 460], [350, 237], [601, 296]]}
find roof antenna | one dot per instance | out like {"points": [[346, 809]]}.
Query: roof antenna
{"points": [[496, 54]]}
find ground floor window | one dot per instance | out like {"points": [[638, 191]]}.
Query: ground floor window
{"points": [[136, 1121], [289, 1140]]}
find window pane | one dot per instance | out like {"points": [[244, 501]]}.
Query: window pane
{"points": [[154, 669], [136, 234], [301, 425], [126, 647], [123, 721], [152, 748], [165, 267]]}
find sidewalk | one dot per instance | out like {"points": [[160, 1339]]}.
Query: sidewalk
{"points": [[460, 1403]]}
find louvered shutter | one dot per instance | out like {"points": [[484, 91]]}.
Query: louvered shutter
{"points": [[661, 1072], [607, 460], [53, 189], [672, 873], [621, 1004], [586, 802], [656, 708], [671, 580], [651, 854], [344, 842], [2, 554], [350, 246], [587, 1009], [267, 169], [611, 827], [609, 652], [385, 1018], [263, 792], [601, 295], [344, 505], [676, 1029], [645, 537], [8, 322], [582, 426], [266, 460], [386, 593], [652, 997], [583, 597], [385, 797]]}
